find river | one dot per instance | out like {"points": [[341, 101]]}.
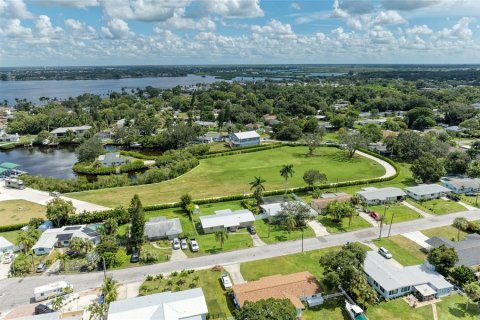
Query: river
{"points": [[63, 89]]}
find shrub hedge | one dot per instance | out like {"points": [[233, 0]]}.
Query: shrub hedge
{"points": [[88, 169]]}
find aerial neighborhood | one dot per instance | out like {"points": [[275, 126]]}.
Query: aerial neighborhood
{"points": [[239, 160]]}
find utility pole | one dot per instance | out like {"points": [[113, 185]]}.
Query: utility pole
{"points": [[302, 240], [381, 222], [391, 222], [104, 270]]}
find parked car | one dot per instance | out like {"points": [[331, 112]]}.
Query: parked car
{"points": [[41, 267], [176, 244], [71, 253], [7, 260], [194, 245], [471, 194], [42, 308], [135, 256], [227, 283], [55, 194], [251, 230], [184, 244], [375, 215], [453, 196], [385, 253]]}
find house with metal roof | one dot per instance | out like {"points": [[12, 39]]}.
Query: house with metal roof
{"points": [[227, 220], [112, 159], [468, 250], [462, 185], [162, 228], [427, 191], [60, 132], [270, 210], [6, 245], [60, 237], [296, 287], [181, 305], [321, 204], [392, 281], [244, 139], [372, 195]]}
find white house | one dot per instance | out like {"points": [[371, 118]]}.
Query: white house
{"points": [[60, 132], [462, 185], [112, 159], [227, 219], [372, 195], [392, 281], [273, 209], [6, 245], [162, 228], [60, 237], [427, 191], [180, 305], [244, 139]]}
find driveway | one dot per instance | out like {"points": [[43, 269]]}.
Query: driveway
{"points": [[42, 197], [235, 273], [318, 228], [418, 237], [257, 242], [421, 212]]}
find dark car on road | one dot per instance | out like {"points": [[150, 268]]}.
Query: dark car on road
{"points": [[41, 267], [42, 308], [251, 230]]}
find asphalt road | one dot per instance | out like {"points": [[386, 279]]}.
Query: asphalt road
{"points": [[15, 292]]}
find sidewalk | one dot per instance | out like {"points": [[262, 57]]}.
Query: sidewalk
{"points": [[421, 212]]}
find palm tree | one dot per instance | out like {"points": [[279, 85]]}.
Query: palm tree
{"points": [[287, 172], [461, 224], [221, 236], [62, 258], [257, 185], [289, 222], [109, 288], [472, 290]]}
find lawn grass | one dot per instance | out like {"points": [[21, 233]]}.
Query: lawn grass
{"points": [[10, 235], [20, 211], [454, 307], [438, 206], [404, 250], [278, 233], [218, 302], [471, 200], [448, 232], [334, 227], [229, 175], [330, 309], [400, 213], [397, 309]]}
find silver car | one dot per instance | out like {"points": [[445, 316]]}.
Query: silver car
{"points": [[385, 253], [184, 244], [176, 244]]}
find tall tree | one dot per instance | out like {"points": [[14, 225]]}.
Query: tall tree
{"points": [[221, 236], [472, 290], [257, 186], [314, 140], [463, 275], [90, 150], [443, 258], [457, 162], [427, 168], [58, 210], [110, 289], [26, 239], [461, 224], [269, 309], [287, 172], [352, 142], [137, 222], [314, 176]]}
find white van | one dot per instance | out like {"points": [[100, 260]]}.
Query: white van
{"points": [[51, 290]]}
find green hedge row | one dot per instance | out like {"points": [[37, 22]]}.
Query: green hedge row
{"points": [[241, 151], [105, 170], [119, 213], [12, 227], [138, 155]]}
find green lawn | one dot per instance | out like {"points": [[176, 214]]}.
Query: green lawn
{"points": [[454, 307], [404, 250], [20, 211], [334, 227], [400, 213], [218, 302], [331, 309], [10, 235], [398, 309], [229, 175], [438, 206], [278, 233], [448, 232], [471, 200]]}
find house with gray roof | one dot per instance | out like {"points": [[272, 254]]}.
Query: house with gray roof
{"points": [[244, 139], [112, 159], [462, 185], [6, 245], [468, 250], [427, 191], [60, 237], [273, 209], [162, 228], [60, 132], [392, 281], [227, 220], [373, 195], [181, 305]]}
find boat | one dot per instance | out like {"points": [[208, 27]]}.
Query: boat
{"points": [[354, 311], [135, 145]]}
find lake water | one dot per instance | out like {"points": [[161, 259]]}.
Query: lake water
{"points": [[63, 89], [43, 161]]}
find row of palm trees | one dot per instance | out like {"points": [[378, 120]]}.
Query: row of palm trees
{"points": [[258, 188]]}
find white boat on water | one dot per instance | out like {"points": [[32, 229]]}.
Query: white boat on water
{"points": [[354, 311]]}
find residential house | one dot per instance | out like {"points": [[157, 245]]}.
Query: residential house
{"points": [[427, 191], [181, 305], [227, 219], [296, 287], [321, 204], [211, 137], [468, 250], [392, 281], [380, 148], [462, 185], [5, 137], [162, 228], [45, 225], [6, 245], [60, 237], [270, 210], [112, 159], [60, 132], [209, 124], [244, 139], [373, 195]]}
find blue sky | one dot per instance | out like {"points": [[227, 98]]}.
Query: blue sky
{"points": [[108, 32]]}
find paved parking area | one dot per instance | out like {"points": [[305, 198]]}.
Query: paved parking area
{"points": [[418, 237], [235, 273]]}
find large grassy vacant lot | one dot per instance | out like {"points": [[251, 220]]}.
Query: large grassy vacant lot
{"points": [[400, 213], [20, 211], [228, 175], [438, 206]]}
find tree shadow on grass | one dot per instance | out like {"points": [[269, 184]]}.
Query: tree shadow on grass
{"points": [[459, 310]]}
